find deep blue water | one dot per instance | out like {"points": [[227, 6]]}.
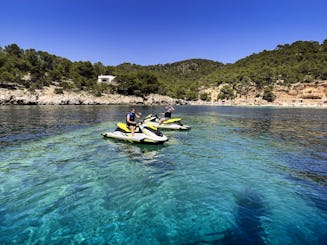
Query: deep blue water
{"points": [[239, 176]]}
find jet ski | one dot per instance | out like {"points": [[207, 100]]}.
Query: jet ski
{"points": [[145, 133], [172, 123]]}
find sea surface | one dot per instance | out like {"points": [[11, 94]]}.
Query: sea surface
{"points": [[241, 175]]}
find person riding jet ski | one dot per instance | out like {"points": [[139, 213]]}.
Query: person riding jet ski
{"points": [[167, 122], [167, 114], [144, 133], [130, 119], [134, 132]]}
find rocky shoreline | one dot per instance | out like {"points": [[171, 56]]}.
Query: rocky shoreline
{"points": [[296, 95], [49, 97], [312, 94]]}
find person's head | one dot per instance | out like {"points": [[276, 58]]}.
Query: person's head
{"points": [[133, 110]]}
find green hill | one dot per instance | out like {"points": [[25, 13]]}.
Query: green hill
{"points": [[180, 79], [301, 61], [183, 79]]}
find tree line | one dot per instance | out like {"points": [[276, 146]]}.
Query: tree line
{"points": [[301, 61], [35, 69]]}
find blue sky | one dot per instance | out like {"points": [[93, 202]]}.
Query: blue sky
{"points": [[159, 31]]}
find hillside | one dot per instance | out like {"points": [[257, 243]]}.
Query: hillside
{"points": [[304, 62], [180, 79], [258, 76]]}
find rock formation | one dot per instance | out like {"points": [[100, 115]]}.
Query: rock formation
{"points": [[48, 96]]}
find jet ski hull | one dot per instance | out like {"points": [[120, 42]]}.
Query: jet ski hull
{"points": [[136, 138], [144, 134], [173, 123], [172, 126]]}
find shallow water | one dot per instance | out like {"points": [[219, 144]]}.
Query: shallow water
{"points": [[239, 176]]}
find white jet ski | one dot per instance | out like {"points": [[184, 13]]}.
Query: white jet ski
{"points": [[172, 123], [145, 133]]}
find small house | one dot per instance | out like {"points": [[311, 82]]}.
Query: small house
{"points": [[106, 78]]}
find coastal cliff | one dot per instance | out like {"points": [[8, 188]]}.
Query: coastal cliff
{"points": [[297, 94]]}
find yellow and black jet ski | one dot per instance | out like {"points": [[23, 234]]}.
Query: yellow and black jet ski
{"points": [[172, 123], [145, 133]]}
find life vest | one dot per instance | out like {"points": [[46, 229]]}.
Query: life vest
{"points": [[168, 114], [131, 116]]}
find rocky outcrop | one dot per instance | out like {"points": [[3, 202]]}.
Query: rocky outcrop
{"points": [[298, 94], [156, 99], [302, 94], [49, 96]]}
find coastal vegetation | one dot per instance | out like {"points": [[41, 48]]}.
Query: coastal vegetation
{"points": [[301, 61]]}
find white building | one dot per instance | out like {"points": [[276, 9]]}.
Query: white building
{"points": [[106, 78]]}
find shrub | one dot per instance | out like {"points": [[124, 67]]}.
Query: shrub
{"points": [[58, 91], [205, 96], [268, 95], [226, 93]]}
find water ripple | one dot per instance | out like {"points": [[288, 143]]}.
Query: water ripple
{"points": [[239, 176]]}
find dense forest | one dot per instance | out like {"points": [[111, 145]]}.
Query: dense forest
{"points": [[301, 61]]}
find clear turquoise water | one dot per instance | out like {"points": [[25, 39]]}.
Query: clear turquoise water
{"points": [[239, 176]]}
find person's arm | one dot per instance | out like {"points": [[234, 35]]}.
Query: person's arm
{"points": [[138, 115]]}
